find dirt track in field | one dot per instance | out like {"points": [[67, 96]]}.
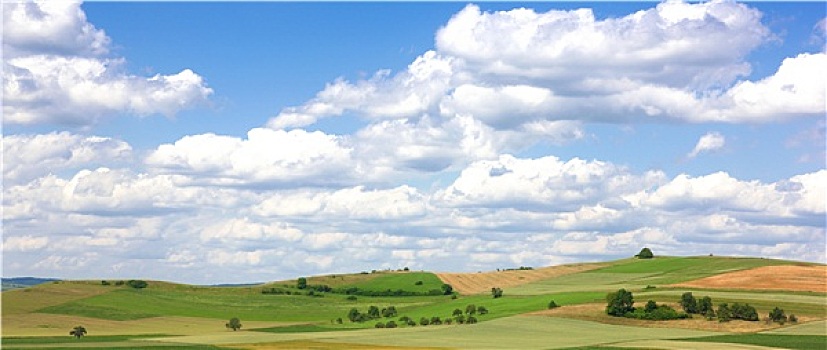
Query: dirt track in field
{"points": [[482, 282], [788, 277]]}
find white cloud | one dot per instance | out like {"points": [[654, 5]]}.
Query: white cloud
{"points": [[710, 142], [410, 93], [297, 157], [546, 182], [674, 44], [55, 71], [25, 243], [508, 69], [26, 157], [50, 27]]}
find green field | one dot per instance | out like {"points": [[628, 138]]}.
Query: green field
{"points": [[193, 317]]}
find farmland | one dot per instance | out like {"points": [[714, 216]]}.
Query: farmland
{"points": [[169, 315]]}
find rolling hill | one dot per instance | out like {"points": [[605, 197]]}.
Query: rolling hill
{"points": [[279, 315]]}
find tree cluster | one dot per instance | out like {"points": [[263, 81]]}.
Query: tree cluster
{"points": [[725, 312], [468, 316], [621, 304], [373, 313]]}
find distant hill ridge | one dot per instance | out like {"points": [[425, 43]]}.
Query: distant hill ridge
{"points": [[23, 282]]}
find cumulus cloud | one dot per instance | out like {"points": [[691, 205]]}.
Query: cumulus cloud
{"points": [[26, 157], [297, 157], [710, 142], [683, 62], [56, 71]]}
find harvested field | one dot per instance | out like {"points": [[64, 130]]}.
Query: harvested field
{"points": [[482, 282], [790, 277], [315, 345]]}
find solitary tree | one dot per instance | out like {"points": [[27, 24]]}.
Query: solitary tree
{"points": [[234, 324], [645, 253], [78, 332], [301, 283]]}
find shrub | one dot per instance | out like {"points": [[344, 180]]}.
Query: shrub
{"points": [[390, 324], [496, 292], [379, 325], [105, 283], [435, 320], [351, 297], [424, 321], [471, 320], [137, 284], [482, 310], [471, 309], [793, 318], [418, 283], [553, 305]]}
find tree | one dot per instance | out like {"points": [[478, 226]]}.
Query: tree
{"points": [[705, 305], [619, 303], [424, 321], [552, 305], [78, 332], [724, 313], [373, 311], [447, 289], [793, 318], [380, 325], [353, 315], [435, 320], [689, 304], [471, 320], [496, 292], [456, 312], [471, 309], [390, 324], [645, 253], [234, 324], [301, 283], [777, 315], [482, 310]]}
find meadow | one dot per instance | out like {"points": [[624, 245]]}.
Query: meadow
{"points": [[168, 315]]}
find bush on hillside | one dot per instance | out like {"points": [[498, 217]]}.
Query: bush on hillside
{"points": [[137, 284]]}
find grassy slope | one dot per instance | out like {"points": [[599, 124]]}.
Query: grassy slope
{"points": [[636, 274], [247, 303]]}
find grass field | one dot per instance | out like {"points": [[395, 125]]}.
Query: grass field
{"points": [[798, 342], [193, 317]]}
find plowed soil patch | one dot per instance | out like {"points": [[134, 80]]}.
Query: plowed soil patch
{"points": [[482, 282], [790, 277]]}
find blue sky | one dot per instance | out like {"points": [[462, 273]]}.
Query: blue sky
{"points": [[186, 140]]}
